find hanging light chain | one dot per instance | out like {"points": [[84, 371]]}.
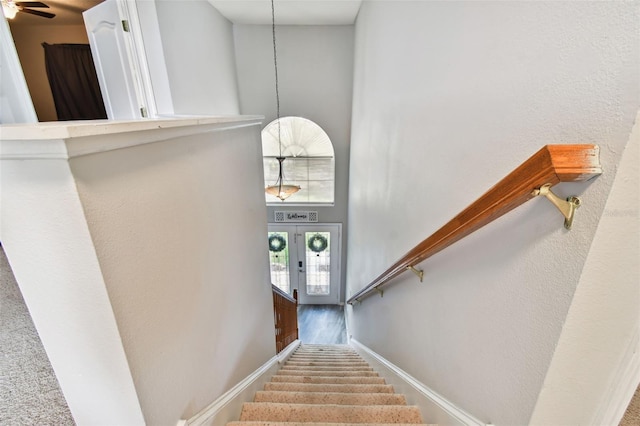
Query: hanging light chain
{"points": [[275, 65], [279, 190]]}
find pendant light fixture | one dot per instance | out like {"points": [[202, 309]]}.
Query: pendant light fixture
{"points": [[279, 189]]}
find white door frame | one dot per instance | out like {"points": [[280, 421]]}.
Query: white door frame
{"points": [[15, 99]]}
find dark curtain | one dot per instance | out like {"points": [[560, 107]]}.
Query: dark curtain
{"points": [[74, 83]]}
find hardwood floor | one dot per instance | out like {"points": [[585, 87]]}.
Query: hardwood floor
{"points": [[322, 324]]}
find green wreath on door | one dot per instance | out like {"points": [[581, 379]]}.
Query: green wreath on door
{"points": [[317, 243]]}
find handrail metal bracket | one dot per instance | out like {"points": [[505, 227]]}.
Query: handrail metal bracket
{"points": [[567, 207], [380, 291], [418, 272]]}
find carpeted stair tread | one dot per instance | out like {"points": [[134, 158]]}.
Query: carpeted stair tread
{"points": [[330, 413], [287, 372], [329, 363], [353, 360], [327, 354], [317, 353], [328, 379], [262, 423], [328, 387], [325, 368], [338, 398], [349, 362]]}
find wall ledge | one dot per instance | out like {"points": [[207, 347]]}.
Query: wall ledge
{"points": [[69, 139]]}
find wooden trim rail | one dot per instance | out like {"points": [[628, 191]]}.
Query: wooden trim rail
{"points": [[549, 166], [285, 311]]}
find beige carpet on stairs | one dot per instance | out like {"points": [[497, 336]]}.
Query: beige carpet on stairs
{"points": [[326, 385]]}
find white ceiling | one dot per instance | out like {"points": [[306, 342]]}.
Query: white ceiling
{"points": [[256, 12], [68, 12], [289, 12]]}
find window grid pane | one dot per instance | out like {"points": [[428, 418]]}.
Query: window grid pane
{"points": [[279, 262], [318, 263], [315, 176]]}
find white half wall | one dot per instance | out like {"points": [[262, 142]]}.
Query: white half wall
{"points": [[449, 97], [145, 273]]}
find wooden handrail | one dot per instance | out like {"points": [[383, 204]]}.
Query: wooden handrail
{"points": [[285, 312], [549, 166]]}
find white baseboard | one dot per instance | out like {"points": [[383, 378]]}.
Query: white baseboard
{"points": [[228, 406], [435, 408]]}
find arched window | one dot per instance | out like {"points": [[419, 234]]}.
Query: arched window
{"points": [[309, 163]]}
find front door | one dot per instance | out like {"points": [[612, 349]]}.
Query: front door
{"points": [[306, 258]]}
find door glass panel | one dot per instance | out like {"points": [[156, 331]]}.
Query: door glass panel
{"points": [[279, 260], [318, 270]]}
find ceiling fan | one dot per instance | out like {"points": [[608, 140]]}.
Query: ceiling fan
{"points": [[11, 8]]}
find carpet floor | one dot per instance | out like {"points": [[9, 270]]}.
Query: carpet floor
{"points": [[29, 390]]}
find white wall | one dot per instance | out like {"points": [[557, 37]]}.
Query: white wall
{"points": [[448, 99], [596, 365], [315, 74], [136, 247], [184, 264], [198, 49]]}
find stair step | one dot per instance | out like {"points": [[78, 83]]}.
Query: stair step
{"points": [[261, 423], [287, 372], [325, 345], [324, 379], [330, 363], [325, 368], [325, 359], [335, 398], [268, 411], [328, 387], [326, 353]]}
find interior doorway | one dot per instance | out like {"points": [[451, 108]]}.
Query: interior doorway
{"points": [[27, 32], [306, 258]]}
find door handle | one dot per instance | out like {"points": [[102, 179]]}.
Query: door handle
{"points": [[300, 267]]}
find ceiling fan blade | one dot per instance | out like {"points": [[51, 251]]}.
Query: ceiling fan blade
{"points": [[31, 4], [38, 13]]}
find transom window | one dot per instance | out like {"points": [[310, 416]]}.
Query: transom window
{"points": [[309, 163]]}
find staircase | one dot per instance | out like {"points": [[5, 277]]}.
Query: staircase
{"points": [[327, 384]]}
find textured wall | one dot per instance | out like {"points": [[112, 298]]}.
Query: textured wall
{"points": [[476, 88], [145, 275], [599, 343], [198, 50], [184, 263]]}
